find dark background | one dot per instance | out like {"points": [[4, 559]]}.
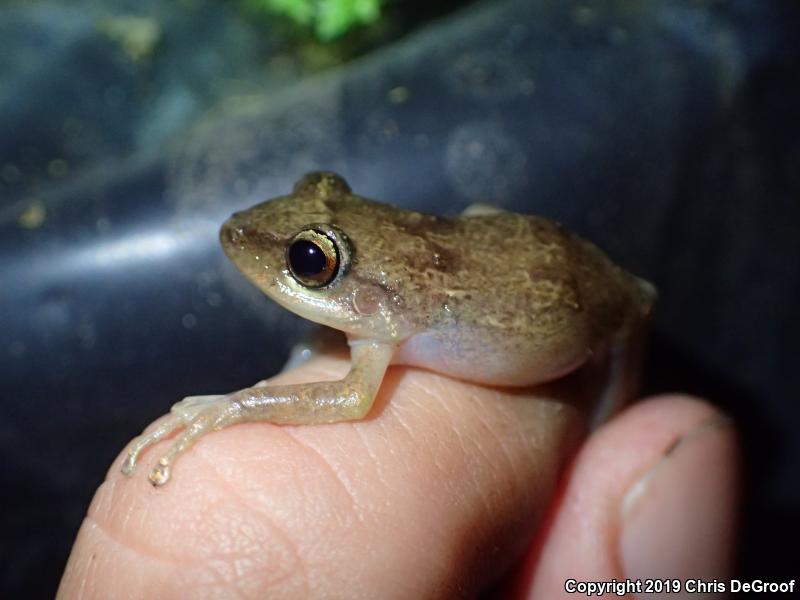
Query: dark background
{"points": [[668, 132]]}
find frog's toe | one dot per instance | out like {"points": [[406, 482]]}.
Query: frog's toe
{"points": [[160, 473], [148, 439], [209, 416], [129, 464]]}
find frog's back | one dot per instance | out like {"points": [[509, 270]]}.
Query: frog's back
{"points": [[522, 301]]}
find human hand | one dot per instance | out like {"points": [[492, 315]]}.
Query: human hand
{"points": [[438, 493]]}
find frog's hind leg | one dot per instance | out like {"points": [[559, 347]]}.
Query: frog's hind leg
{"points": [[616, 369], [479, 209]]}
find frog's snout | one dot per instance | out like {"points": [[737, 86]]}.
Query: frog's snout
{"points": [[240, 233], [237, 234], [233, 232]]}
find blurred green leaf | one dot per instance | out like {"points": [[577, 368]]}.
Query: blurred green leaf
{"points": [[328, 19]]}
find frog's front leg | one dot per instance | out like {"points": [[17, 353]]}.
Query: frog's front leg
{"points": [[182, 413], [302, 404]]}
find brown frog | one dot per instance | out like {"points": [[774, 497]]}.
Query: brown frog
{"points": [[490, 296]]}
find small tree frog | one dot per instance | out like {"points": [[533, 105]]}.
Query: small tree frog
{"points": [[490, 296]]}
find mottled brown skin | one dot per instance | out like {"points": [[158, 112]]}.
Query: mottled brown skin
{"points": [[495, 298], [500, 298]]}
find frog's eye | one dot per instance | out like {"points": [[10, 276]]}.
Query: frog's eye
{"points": [[313, 258]]}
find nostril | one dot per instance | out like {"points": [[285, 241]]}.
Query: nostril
{"points": [[233, 233], [237, 234]]}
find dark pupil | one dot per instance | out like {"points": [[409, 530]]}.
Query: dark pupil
{"points": [[307, 259]]}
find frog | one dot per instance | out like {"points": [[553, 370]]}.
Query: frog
{"points": [[491, 296]]}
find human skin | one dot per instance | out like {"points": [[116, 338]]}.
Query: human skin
{"points": [[445, 490]]}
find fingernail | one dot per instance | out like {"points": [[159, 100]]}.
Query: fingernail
{"points": [[678, 517]]}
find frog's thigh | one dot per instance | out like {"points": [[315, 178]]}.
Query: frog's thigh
{"points": [[617, 365], [478, 209]]}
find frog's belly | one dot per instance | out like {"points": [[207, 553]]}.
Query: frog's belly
{"points": [[493, 359]]}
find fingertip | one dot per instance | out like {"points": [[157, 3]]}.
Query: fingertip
{"points": [[652, 494], [678, 516], [438, 490]]}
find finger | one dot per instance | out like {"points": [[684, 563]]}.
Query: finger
{"points": [[652, 495], [435, 494]]}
